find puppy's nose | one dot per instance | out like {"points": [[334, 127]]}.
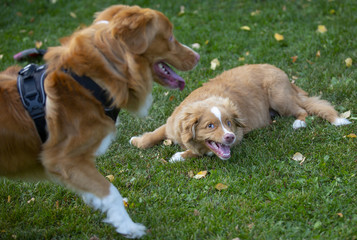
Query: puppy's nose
{"points": [[229, 138]]}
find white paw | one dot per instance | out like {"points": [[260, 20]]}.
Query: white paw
{"points": [[132, 230], [299, 124], [177, 157], [341, 121], [131, 139]]}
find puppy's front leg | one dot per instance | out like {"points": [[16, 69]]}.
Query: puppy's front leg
{"points": [[182, 156], [149, 139]]}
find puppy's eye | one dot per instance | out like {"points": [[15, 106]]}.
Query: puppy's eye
{"points": [[211, 125], [229, 123], [171, 38]]}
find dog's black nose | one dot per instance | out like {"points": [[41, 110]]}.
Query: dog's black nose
{"points": [[229, 138]]}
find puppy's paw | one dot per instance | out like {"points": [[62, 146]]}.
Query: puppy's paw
{"points": [[299, 124], [340, 121], [132, 230], [177, 157], [133, 141]]}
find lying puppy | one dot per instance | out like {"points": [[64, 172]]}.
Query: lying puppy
{"points": [[215, 116], [122, 53]]}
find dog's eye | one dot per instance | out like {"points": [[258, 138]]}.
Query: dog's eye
{"points": [[171, 38], [211, 125], [229, 123]]}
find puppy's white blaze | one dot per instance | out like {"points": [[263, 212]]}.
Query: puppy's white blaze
{"points": [[299, 124], [144, 109], [105, 144], [341, 121], [217, 113], [116, 214], [177, 157], [102, 22]]}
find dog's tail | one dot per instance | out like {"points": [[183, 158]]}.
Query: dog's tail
{"points": [[319, 107]]}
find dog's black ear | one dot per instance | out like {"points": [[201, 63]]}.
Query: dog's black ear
{"points": [[134, 27], [188, 131]]}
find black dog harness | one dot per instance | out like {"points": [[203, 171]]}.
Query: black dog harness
{"points": [[30, 84]]}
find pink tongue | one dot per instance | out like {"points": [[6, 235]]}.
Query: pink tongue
{"points": [[224, 150], [172, 79]]}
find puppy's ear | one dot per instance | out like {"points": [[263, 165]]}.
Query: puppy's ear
{"points": [[133, 26], [189, 123]]}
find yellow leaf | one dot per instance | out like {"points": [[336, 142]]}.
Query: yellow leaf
{"points": [[214, 64], [206, 42], [348, 62], [345, 114], [220, 186], [8, 198], [298, 157], [351, 135], [246, 28], [73, 15], [200, 175], [167, 142], [340, 214], [318, 54], [278, 37], [38, 44], [332, 11], [1, 56], [241, 59], [256, 12], [125, 201], [110, 178], [321, 29], [182, 11]]}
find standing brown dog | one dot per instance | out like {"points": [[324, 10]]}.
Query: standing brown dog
{"points": [[214, 117], [124, 51]]}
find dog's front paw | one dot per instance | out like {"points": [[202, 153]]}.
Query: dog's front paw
{"points": [[177, 157], [299, 124], [132, 230]]}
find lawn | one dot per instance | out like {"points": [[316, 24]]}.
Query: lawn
{"points": [[269, 195]]}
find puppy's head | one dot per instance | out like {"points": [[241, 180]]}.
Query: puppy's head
{"points": [[149, 34], [212, 125]]}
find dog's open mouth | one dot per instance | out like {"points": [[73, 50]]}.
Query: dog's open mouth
{"points": [[221, 150], [168, 77]]}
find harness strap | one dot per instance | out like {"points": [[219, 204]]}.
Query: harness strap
{"points": [[30, 84]]}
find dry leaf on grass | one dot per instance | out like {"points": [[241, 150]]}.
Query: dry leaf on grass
{"points": [[31, 200], [1, 56], [321, 29], [318, 54], [348, 62], [346, 114], [245, 28], [196, 46], [278, 37], [294, 58], [163, 161], [220, 186], [8, 198], [110, 178], [299, 157], [38, 44], [191, 174], [125, 201], [351, 135], [73, 15], [167, 142], [182, 11], [196, 212], [200, 175], [215, 63]]}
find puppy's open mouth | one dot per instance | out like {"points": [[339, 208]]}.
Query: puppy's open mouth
{"points": [[221, 150], [168, 77]]}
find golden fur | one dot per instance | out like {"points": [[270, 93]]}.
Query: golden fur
{"points": [[124, 51], [244, 97]]}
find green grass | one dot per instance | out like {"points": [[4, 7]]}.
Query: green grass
{"points": [[269, 196]]}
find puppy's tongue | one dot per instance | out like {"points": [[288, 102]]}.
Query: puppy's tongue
{"points": [[221, 150], [168, 76]]}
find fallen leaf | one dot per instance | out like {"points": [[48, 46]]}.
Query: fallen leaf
{"points": [[19, 14], [8, 198], [241, 59], [196, 212], [200, 175], [166, 93], [125, 201], [167, 142], [321, 29], [214, 64], [332, 11], [256, 12], [163, 161], [278, 37], [171, 98], [206, 42], [57, 204], [38, 44], [31, 200], [196, 46], [245, 28], [73, 15], [110, 178], [294, 58], [348, 62], [351, 135], [340, 214], [182, 11], [220, 186], [345, 114], [298, 157], [1, 56], [318, 54], [247, 53], [191, 174], [53, 1]]}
